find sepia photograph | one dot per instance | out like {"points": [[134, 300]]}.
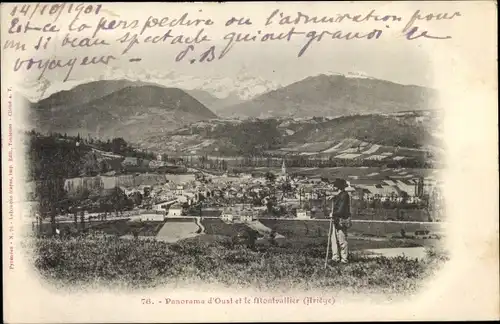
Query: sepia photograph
{"points": [[306, 158], [138, 180]]}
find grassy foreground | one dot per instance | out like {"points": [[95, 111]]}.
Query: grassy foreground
{"points": [[148, 263]]}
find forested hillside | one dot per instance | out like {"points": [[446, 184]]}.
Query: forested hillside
{"points": [[60, 156]]}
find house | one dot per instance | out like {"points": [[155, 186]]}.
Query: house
{"points": [[247, 215], [179, 190], [130, 161], [175, 211], [413, 200], [157, 217], [303, 214], [192, 197], [227, 215], [246, 218], [156, 164]]}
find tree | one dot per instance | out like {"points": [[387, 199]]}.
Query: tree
{"points": [[136, 198], [89, 165], [51, 194], [118, 145], [286, 187], [271, 177], [256, 201], [118, 199], [103, 168], [404, 196], [271, 203]]}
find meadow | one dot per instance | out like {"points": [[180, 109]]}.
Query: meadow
{"points": [[109, 261]]}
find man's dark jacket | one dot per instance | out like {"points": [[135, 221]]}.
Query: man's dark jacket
{"points": [[341, 205]]}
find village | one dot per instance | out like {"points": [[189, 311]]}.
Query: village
{"points": [[244, 197]]}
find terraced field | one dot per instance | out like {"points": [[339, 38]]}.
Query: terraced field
{"points": [[374, 173]]}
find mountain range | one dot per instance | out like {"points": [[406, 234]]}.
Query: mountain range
{"points": [[333, 96], [137, 110]]}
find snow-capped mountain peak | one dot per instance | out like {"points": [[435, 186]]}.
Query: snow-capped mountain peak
{"points": [[353, 75], [244, 86]]}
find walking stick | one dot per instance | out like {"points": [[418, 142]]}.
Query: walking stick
{"points": [[329, 238]]}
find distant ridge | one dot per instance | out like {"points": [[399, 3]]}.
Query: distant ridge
{"points": [[335, 95]]}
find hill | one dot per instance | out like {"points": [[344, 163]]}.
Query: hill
{"points": [[84, 93], [59, 156], [373, 137], [333, 96], [118, 109]]}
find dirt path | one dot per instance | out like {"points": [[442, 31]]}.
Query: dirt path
{"points": [[200, 225], [262, 229]]}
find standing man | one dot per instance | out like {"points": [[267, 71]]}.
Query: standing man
{"points": [[341, 214]]}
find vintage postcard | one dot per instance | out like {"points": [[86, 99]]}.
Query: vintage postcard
{"points": [[266, 161]]}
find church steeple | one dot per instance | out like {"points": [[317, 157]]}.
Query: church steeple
{"points": [[283, 168]]}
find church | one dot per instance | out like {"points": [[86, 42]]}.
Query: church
{"points": [[283, 177]]}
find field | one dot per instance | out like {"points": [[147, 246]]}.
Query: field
{"points": [[98, 262], [123, 227], [214, 226], [299, 233], [312, 235], [374, 173], [300, 228], [174, 231], [111, 227]]}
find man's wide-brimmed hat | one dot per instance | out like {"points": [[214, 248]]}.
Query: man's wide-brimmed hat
{"points": [[340, 183]]}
